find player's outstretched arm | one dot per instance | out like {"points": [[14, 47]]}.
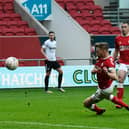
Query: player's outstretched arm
{"points": [[95, 70], [111, 73]]}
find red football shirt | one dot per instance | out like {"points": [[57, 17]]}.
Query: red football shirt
{"points": [[104, 80], [122, 44]]}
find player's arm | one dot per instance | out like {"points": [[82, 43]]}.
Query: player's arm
{"points": [[95, 70], [43, 52], [111, 72]]}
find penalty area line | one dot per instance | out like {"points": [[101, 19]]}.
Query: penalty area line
{"points": [[53, 125]]}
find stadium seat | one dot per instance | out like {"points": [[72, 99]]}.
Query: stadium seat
{"points": [[1, 32], [3, 24], [80, 3], [8, 8], [94, 30], [89, 2], [22, 24], [15, 16], [8, 32], [97, 9], [88, 17], [19, 31], [78, 17], [12, 24], [96, 23], [61, 3], [115, 30], [10, 17], [71, 7], [86, 9], [85, 22], [1, 9], [72, 11], [99, 17], [105, 30], [30, 31], [5, 17], [106, 23], [86, 25]]}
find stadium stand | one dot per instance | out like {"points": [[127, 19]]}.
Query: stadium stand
{"points": [[115, 14], [11, 28], [87, 10], [11, 22]]}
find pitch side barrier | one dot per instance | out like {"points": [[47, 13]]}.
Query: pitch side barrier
{"points": [[33, 77]]}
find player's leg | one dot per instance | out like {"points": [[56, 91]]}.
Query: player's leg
{"points": [[57, 67], [120, 88], [118, 101], [46, 80], [90, 102]]}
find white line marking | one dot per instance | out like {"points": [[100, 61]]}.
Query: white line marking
{"points": [[52, 125]]}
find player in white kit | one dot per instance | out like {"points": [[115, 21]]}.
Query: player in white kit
{"points": [[48, 50]]}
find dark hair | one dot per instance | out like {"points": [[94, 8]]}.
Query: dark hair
{"points": [[102, 45], [51, 32], [125, 22]]}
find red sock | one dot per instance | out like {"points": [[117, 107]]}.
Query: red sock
{"points": [[96, 108], [119, 101], [120, 93]]}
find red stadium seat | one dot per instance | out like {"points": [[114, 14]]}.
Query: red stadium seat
{"points": [[5, 17], [30, 31], [78, 16], [15, 16], [99, 17], [115, 30], [22, 24], [106, 23], [105, 30], [8, 32], [3, 24], [19, 31], [94, 30], [96, 23], [1, 32], [71, 7], [1, 9], [12, 24], [85, 22], [61, 3], [97, 9], [80, 3], [89, 2], [8, 8], [86, 9], [10, 17], [88, 17]]}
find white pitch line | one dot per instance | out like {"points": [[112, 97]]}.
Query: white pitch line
{"points": [[53, 125]]}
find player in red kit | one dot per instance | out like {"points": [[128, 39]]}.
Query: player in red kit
{"points": [[122, 53], [106, 73]]}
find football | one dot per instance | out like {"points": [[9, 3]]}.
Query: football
{"points": [[11, 63]]}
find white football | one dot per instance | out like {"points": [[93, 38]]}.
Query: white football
{"points": [[11, 63]]}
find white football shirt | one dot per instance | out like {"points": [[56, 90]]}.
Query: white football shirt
{"points": [[50, 49]]}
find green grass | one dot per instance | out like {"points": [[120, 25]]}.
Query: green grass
{"points": [[34, 109]]}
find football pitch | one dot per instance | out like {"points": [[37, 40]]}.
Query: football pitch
{"points": [[34, 109]]}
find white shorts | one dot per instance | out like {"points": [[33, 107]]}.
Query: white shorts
{"points": [[102, 94], [123, 67]]}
